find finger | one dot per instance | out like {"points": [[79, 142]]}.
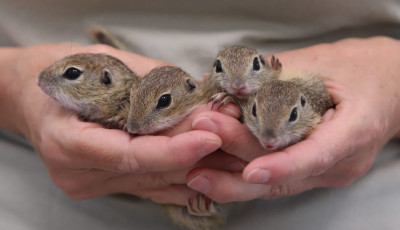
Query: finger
{"points": [[174, 194], [186, 125], [161, 153], [91, 146], [93, 183], [237, 138], [225, 187]]}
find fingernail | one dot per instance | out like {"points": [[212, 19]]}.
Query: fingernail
{"points": [[230, 111], [258, 176], [204, 123], [209, 146], [200, 184]]}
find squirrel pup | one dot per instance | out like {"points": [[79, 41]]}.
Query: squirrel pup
{"points": [[163, 98], [239, 71], [284, 112], [95, 86]]}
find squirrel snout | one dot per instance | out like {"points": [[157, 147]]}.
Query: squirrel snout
{"points": [[269, 133], [133, 127]]}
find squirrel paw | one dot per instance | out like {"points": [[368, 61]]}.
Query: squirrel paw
{"points": [[224, 96], [116, 123], [275, 63], [201, 205]]}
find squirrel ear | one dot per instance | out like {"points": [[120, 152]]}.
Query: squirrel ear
{"points": [[262, 59], [106, 77], [303, 100], [190, 85]]}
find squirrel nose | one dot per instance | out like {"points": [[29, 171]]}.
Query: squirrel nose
{"points": [[270, 133], [132, 127]]}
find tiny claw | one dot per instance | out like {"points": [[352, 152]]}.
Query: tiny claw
{"points": [[201, 205], [226, 100], [218, 97], [221, 104], [275, 63]]}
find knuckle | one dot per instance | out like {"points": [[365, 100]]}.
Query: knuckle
{"points": [[323, 163], [158, 180], [131, 164], [359, 170], [382, 39]]}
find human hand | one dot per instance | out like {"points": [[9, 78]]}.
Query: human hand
{"points": [[362, 79], [86, 160]]}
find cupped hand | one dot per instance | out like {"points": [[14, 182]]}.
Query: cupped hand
{"points": [[86, 160], [363, 80]]}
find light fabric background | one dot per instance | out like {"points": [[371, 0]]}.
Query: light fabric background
{"points": [[189, 34]]}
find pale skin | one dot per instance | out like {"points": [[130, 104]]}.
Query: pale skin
{"points": [[363, 80], [86, 160]]}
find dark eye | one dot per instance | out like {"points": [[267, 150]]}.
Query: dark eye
{"points": [[256, 64], [218, 66], [293, 115], [72, 73], [164, 101], [105, 79], [254, 110], [302, 101]]}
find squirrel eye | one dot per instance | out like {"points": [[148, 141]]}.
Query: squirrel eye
{"points": [[302, 101], [256, 64], [218, 66], [254, 110], [164, 101], [72, 73], [293, 115]]}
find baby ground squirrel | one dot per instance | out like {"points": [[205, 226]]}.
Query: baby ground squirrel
{"points": [[284, 112], [95, 86], [238, 72], [163, 98]]}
